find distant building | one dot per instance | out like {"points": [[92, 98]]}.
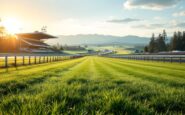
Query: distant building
{"points": [[73, 48], [34, 42], [91, 51]]}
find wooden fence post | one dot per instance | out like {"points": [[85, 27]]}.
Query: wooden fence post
{"points": [[35, 60], [15, 61], [39, 59], [164, 59], [6, 61], [29, 60], [23, 63], [44, 59]]}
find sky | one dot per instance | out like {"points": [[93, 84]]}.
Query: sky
{"points": [[108, 17]]}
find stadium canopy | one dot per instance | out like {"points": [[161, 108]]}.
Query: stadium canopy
{"points": [[35, 35]]}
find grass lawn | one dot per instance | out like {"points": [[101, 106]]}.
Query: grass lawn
{"points": [[94, 85], [118, 49], [75, 52]]}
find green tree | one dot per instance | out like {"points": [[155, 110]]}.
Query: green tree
{"points": [[2, 31], [152, 44], [164, 35], [183, 41], [57, 47], [146, 49], [161, 45], [179, 41], [173, 42]]}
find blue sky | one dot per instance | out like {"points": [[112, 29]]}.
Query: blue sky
{"points": [[113, 17]]}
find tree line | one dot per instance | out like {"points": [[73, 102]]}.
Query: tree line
{"points": [[160, 44], [8, 43]]}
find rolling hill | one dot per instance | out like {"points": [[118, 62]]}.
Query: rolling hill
{"points": [[98, 39]]}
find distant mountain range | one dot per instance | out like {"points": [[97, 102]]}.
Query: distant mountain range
{"points": [[96, 39]]}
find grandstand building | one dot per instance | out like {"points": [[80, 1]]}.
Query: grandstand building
{"points": [[34, 42]]}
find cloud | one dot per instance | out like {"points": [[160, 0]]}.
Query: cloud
{"points": [[149, 26], [169, 25], [150, 4], [126, 20], [177, 14], [181, 25], [176, 24], [158, 18]]}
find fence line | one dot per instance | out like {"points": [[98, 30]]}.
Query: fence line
{"points": [[159, 58], [14, 61]]}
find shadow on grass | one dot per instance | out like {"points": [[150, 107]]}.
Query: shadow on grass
{"points": [[79, 81], [16, 86], [80, 95]]}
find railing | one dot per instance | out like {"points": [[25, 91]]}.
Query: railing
{"points": [[14, 61], [160, 58]]}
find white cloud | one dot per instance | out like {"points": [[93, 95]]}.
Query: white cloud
{"points": [[149, 26], [177, 24], [126, 20], [181, 25], [177, 14], [74, 26], [171, 25], [158, 18], [150, 4]]}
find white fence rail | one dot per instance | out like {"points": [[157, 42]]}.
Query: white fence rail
{"points": [[161, 58], [21, 60]]}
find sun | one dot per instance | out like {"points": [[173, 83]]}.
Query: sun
{"points": [[12, 25]]}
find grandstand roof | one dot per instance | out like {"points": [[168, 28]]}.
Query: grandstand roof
{"points": [[35, 35]]}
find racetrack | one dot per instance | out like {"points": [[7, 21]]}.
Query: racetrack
{"points": [[94, 85]]}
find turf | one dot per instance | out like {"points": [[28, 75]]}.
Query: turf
{"points": [[94, 85]]}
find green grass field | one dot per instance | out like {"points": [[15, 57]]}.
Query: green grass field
{"points": [[119, 49], [75, 52], [94, 85]]}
